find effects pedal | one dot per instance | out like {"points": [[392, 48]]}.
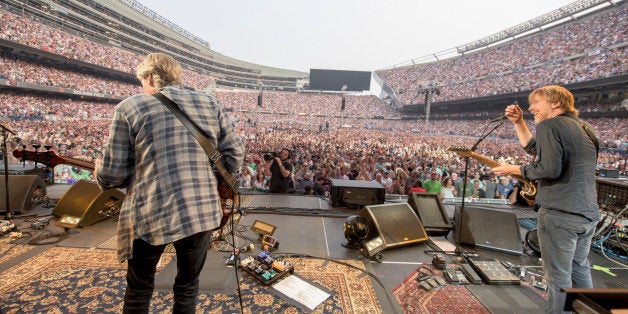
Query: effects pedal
{"points": [[450, 275], [440, 280], [432, 283], [537, 282], [41, 223], [6, 226], [231, 260], [461, 278], [473, 277], [439, 261], [426, 286]]}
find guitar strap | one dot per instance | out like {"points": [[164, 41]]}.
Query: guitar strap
{"points": [[587, 128], [211, 151]]}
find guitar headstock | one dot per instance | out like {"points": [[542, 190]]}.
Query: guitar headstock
{"points": [[48, 158]]}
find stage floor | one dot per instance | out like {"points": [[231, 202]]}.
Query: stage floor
{"points": [[308, 226]]}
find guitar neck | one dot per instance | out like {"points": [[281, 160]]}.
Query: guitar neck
{"points": [[50, 159], [489, 162], [492, 163], [78, 163]]}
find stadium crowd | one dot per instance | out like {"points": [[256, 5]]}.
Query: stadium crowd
{"points": [[585, 49], [30, 32], [328, 140], [328, 144]]}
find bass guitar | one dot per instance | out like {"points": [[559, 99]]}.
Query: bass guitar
{"points": [[50, 159], [529, 189]]}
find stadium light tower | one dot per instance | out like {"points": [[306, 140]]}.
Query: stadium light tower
{"points": [[428, 90]]}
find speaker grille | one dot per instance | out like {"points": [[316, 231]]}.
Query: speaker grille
{"points": [[488, 228], [612, 195], [397, 224], [430, 211]]}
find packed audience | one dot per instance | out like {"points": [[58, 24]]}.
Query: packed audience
{"points": [[330, 146], [365, 139], [582, 50], [325, 104], [30, 32]]}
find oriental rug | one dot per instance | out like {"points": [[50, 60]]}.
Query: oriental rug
{"points": [[446, 299], [79, 280]]}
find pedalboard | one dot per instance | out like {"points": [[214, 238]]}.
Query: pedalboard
{"points": [[266, 267]]}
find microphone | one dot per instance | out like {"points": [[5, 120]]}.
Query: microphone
{"points": [[500, 119]]}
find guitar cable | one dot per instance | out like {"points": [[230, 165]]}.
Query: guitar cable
{"points": [[235, 266]]}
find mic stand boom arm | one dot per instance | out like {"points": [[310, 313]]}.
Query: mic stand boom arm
{"points": [[464, 184]]}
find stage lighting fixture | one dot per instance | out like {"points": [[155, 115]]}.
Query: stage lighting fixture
{"points": [[70, 222], [373, 247]]}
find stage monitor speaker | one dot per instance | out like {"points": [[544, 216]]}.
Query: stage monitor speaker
{"points": [[397, 224], [23, 189], [356, 193], [431, 212], [86, 201], [489, 229]]}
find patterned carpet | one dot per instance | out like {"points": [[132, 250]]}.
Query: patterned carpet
{"points": [[75, 280], [9, 251], [446, 299]]}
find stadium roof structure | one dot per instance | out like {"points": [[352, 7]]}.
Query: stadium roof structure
{"points": [[131, 26], [545, 21], [568, 11]]}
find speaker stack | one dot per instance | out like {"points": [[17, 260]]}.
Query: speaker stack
{"points": [[87, 203]]}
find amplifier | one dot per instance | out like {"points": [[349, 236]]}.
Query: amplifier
{"points": [[612, 194], [607, 173], [356, 193]]}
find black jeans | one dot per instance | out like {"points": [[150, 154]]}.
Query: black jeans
{"points": [[140, 277]]}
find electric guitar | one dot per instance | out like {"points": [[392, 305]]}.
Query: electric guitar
{"points": [[50, 159], [529, 188]]}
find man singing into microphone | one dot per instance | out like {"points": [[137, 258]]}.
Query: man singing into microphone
{"points": [[565, 151]]}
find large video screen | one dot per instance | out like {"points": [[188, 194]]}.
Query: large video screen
{"points": [[334, 80]]}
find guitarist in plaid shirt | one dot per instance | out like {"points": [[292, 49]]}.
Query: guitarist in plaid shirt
{"points": [[171, 188]]}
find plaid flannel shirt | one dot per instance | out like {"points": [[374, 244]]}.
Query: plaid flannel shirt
{"points": [[171, 188]]}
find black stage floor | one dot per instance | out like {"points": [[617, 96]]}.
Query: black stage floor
{"points": [[310, 226]]}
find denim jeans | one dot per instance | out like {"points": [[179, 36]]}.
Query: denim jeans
{"points": [[565, 240], [140, 277]]}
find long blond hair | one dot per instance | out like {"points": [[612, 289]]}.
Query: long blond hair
{"points": [[164, 69]]}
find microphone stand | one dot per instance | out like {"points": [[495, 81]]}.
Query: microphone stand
{"points": [[464, 184], [6, 130]]}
